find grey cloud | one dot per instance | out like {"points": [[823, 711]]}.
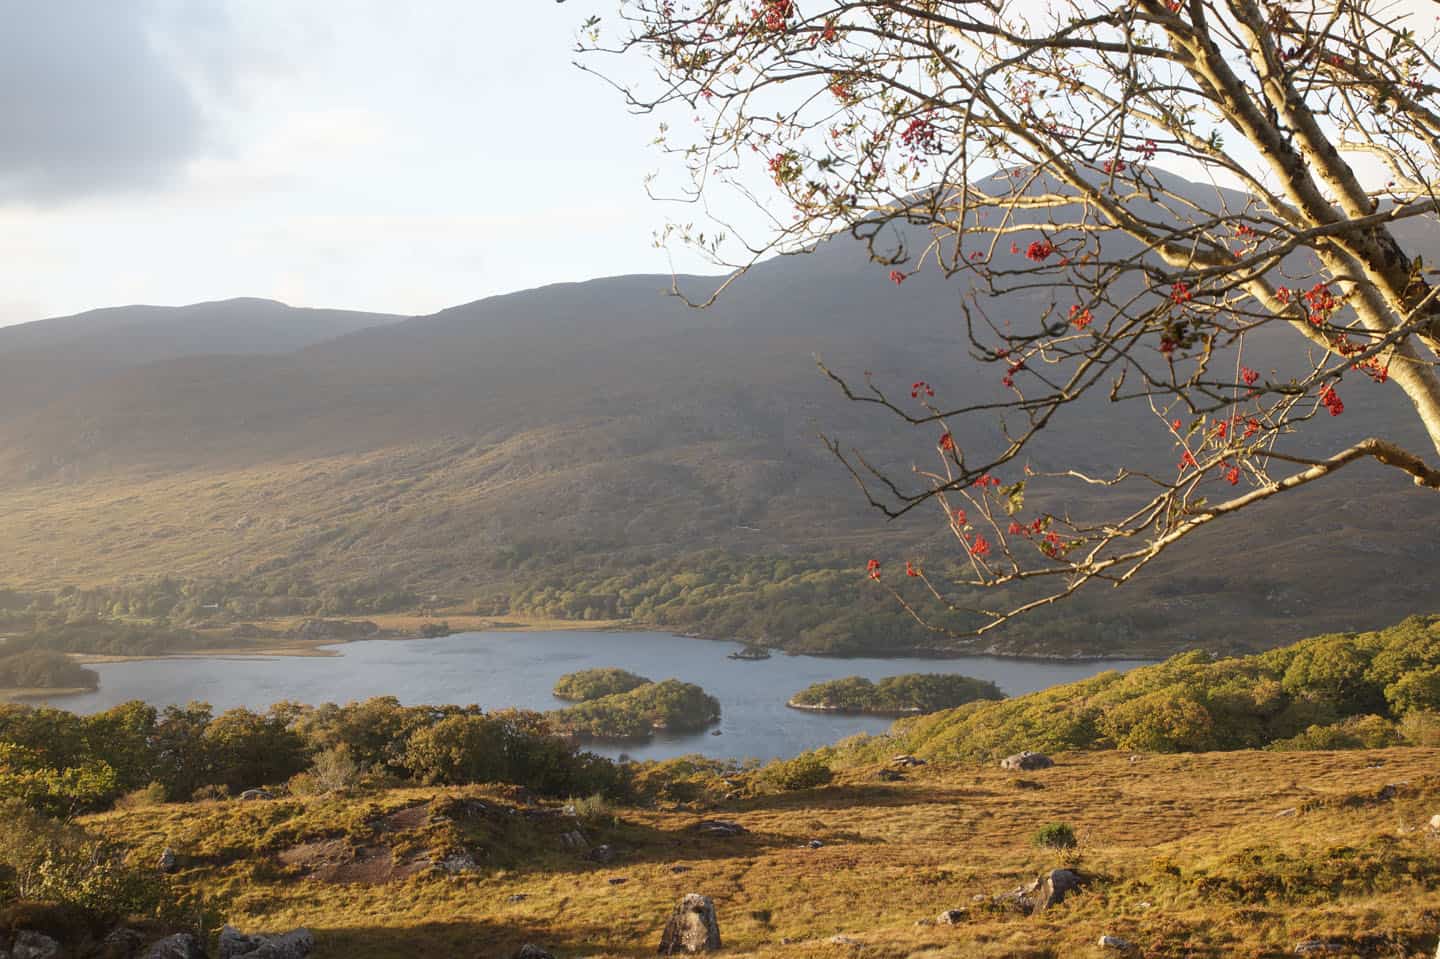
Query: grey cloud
{"points": [[89, 101]]}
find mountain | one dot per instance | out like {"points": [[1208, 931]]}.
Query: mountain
{"points": [[606, 434], [46, 359]]}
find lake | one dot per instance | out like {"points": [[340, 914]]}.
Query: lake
{"points": [[503, 669]]}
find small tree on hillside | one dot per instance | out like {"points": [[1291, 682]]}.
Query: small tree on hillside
{"points": [[1026, 144]]}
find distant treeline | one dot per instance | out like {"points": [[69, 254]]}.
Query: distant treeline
{"points": [[1341, 691]]}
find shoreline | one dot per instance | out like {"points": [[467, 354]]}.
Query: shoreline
{"points": [[846, 711]]}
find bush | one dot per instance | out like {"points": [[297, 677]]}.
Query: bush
{"points": [[910, 693], [335, 770], [805, 771], [151, 795], [1055, 835]]}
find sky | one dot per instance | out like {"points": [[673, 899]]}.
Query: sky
{"points": [[356, 154], [359, 154]]}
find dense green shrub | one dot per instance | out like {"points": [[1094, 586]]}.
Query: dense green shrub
{"points": [[1055, 835], [805, 771]]}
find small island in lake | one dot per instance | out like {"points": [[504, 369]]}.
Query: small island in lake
{"points": [[750, 653], [590, 684], [907, 695], [635, 714], [36, 670]]}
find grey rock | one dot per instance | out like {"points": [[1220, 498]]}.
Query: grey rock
{"points": [[691, 928], [459, 862], [296, 944], [167, 863], [574, 841], [951, 917], [890, 776], [907, 760], [1435, 822], [34, 945], [679, 869], [1116, 942], [528, 951], [182, 945], [517, 897], [719, 827], [1046, 891], [1027, 761], [253, 795], [815, 843], [845, 941], [601, 854], [1317, 947]]}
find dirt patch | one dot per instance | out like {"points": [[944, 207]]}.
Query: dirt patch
{"points": [[336, 861], [404, 820]]}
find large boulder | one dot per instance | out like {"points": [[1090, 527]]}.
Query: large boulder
{"points": [[1027, 761], [167, 863], [182, 945], [296, 944], [691, 928]]}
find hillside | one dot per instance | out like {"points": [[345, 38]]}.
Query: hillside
{"points": [[1214, 855], [600, 450]]}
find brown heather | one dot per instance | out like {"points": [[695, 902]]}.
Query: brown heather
{"points": [[1193, 855]]}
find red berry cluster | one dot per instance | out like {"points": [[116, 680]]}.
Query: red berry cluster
{"points": [[872, 569], [1331, 400], [1320, 303], [1180, 293], [947, 442], [919, 387], [1039, 251], [920, 134], [897, 277], [1080, 317], [773, 15]]}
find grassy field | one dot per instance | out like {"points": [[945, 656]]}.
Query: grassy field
{"points": [[1241, 854]]}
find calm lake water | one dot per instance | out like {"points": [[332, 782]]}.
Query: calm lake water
{"points": [[502, 669]]}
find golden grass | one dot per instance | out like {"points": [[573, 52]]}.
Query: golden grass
{"points": [[1349, 864]]}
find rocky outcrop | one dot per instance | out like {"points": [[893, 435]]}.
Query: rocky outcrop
{"points": [[296, 944], [254, 795], [1116, 943], [906, 760], [691, 928], [1027, 761], [528, 951], [167, 863]]}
